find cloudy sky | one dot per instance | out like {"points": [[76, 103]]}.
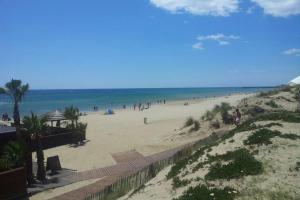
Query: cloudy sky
{"points": [[149, 43]]}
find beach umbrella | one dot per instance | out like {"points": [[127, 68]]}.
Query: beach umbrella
{"points": [[54, 116]]}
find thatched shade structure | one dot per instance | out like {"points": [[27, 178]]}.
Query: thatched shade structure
{"points": [[54, 116]]}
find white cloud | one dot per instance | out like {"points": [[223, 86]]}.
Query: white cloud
{"points": [[220, 38], [250, 10], [198, 46], [199, 7], [279, 8], [293, 51]]}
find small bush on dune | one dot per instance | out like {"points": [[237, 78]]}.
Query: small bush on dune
{"points": [[215, 124], [241, 163], [254, 111], [227, 118], [225, 107], [196, 126], [268, 93], [202, 192], [180, 164], [286, 116], [262, 136], [208, 116], [176, 183], [272, 104], [189, 122]]}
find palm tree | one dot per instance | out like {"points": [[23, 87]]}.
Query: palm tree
{"points": [[72, 113], [16, 91], [35, 126]]}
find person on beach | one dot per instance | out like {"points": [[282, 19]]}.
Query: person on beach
{"points": [[140, 105], [134, 106], [238, 117], [164, 101]]}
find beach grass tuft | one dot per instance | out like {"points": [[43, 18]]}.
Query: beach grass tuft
{"points": [[272, 104], [241, 163], [203, 192]]}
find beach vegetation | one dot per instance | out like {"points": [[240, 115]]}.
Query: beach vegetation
{"points": [[208, 116], [263, 137], [35, 126], [180, 164], [12, 155], [177, 182], [72, 113], [16, 91], [188, 122], [272, 104], [78, 128], [223, 108], [254, 111], [227, 118], [269, 93], [195, 127], [215, 124], [241, 163], [203, 192]]}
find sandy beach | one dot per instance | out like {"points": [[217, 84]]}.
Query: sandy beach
{"points": [[125, 130]]}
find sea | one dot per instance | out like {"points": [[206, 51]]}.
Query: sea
{"points": [[42, 101]]}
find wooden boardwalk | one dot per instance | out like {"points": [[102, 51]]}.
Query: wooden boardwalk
{"points": [[128, 163]]}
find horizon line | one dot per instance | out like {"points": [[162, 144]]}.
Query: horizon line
{"points": [[155, 88]]}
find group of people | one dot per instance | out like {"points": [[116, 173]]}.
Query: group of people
{"points": [[5, 117], [140, 106]]}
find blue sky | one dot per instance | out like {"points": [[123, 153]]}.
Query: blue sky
{"points": [[149, 43]]}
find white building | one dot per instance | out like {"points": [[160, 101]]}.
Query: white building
{"points": [[295, 81]]}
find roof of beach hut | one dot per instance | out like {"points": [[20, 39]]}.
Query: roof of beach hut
{"points": [[295, 81], [54, 116]]}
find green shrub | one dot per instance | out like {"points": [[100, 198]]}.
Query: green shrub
{"points": [[227, 118], [285, 116], [202, 192], [189, 122], [254, 111], [290, 136], [272, 104], [262, 136], [241, 163], [14, 153], [176, 183], [196, 127], [5, 164], [209, 115], [180, 164], [225, 107], [269, 93], [215, 124]]}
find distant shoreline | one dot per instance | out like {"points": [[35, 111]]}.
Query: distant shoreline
{"points": [[42, 101]]}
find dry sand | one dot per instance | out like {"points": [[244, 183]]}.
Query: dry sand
{"points": [[125, 130]]}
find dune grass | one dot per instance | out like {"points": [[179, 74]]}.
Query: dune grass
{"points": [[272, 104], [202, 192], [264, 136], [241, 163], [177, 182], [188, 122]]}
